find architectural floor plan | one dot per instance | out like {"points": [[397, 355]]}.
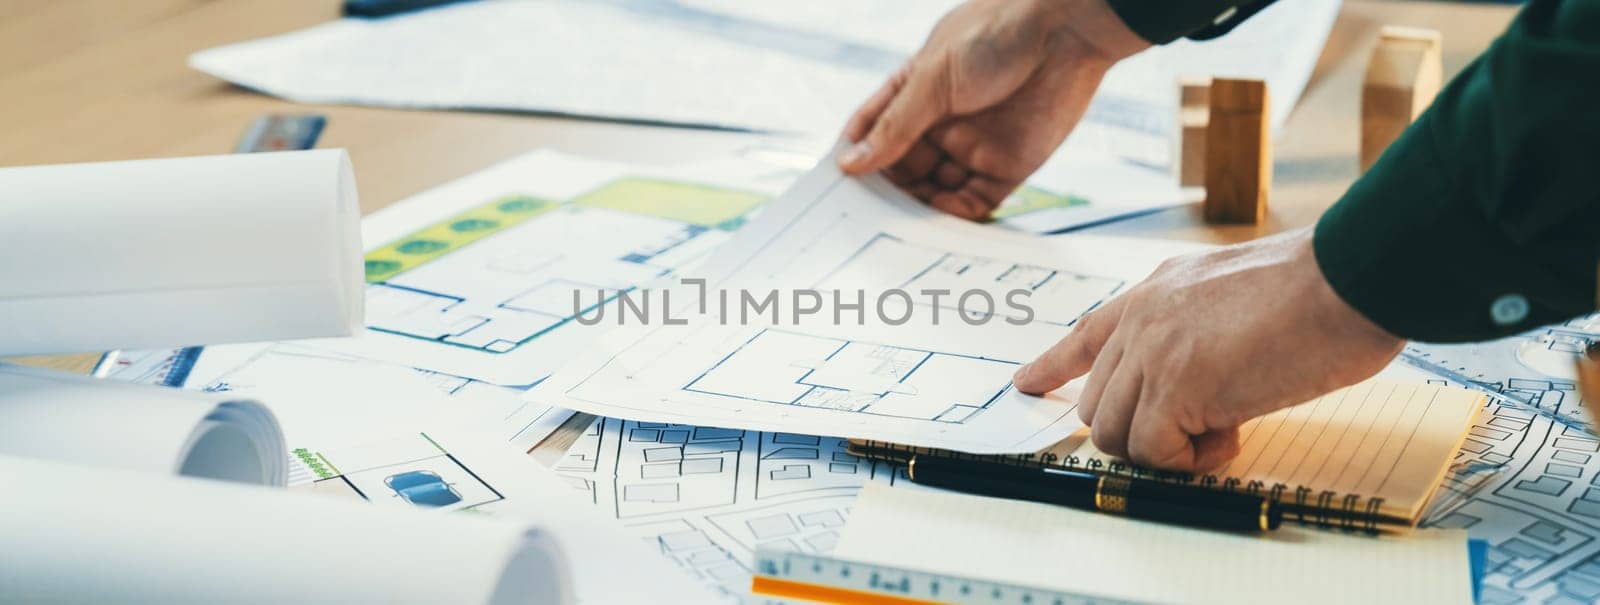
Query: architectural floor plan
{"points": [[947, 311], [1055, 296], [1525, 482], [483, 277], [707, 497], [813, 371]]}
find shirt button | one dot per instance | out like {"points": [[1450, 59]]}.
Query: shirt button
{"points": [[1509, 309]]}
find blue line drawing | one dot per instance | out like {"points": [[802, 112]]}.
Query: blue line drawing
{"points": [[1057, 296], [789, 368]]}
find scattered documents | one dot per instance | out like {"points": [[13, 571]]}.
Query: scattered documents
{"points": [[176, 252], [1110, 557], [75, 534], [478, 278], [1523, 479], [765, 66], [1384, 442], [902, 368], [71, 418]]}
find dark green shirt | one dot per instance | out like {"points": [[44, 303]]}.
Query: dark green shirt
{"points": [[1483, 218]]}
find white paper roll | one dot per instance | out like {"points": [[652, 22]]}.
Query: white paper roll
{"points": [[177, 252], [74, 534], [70, 418]]}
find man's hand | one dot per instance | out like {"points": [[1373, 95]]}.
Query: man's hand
{"points": [[995, 89], [1207, 342]]}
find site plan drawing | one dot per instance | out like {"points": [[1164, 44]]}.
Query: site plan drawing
{"points": [[1525, 482], [706, 498], [452, 470], [481, 277], [929, 317]]}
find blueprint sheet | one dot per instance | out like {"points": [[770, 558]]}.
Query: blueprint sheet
{"points": [[706, 497], [929, 380], [327, 398], [1523, 481], [477, 277], [479, 476]]}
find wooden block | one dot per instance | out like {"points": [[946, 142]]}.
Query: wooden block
{"points": [[1589, 377], [1194, 114], [1403, 77], [1238, 152]]}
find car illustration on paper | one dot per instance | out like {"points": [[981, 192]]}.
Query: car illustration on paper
{"points": [[423, 488]]}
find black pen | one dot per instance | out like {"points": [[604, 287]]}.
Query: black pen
{"points": [[1135, 498]]}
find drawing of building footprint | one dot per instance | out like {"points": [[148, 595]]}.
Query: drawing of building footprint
{"points": [[516, 262], [789, 368], [886, 262], [1526, 484], [708, 497]]}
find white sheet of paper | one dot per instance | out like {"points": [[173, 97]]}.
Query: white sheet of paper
{"points": [[176, 252], [927, 381], [1085, 187], [596, 546], [796, 67], [323, 398], [498, 308], [1106, 556], [81, 534], [71, 418], [486, 477]]}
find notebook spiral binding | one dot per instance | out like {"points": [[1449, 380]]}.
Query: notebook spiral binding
{"points": [[1322, 509]]}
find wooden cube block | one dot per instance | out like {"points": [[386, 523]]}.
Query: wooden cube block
{"points": [[1403, 77], [1238, 152], [1194, 114]]}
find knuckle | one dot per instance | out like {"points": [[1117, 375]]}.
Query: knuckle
{"points": [[1107, 441]]}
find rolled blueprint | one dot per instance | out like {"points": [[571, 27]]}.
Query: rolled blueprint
{"points": [[70, 418], [75, 534], [176, 252]]}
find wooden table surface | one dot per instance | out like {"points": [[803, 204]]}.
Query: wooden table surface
{"points": [[95, 80]]}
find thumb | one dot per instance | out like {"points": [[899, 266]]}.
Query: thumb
{"points": [[1073, 355], [913, 108]]}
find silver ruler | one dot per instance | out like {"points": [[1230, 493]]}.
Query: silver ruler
{"points": [[800, 577]]}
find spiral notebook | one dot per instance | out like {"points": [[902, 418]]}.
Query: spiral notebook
{"points": [[1367, 456]]}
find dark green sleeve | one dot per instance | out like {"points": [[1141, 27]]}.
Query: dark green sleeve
{"points": [[1483, 218], [1163, 22]]}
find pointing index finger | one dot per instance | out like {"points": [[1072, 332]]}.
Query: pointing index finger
{"points": [[1073, 355]]}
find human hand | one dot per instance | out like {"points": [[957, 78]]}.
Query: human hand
{"points": [[1207, 342], [995, 89]]}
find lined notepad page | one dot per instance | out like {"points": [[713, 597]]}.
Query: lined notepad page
{"points": [[1380, 439], [1105, 556]]}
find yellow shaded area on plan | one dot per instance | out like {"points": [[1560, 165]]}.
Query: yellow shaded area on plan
{"points": [[710, 207], [1032, 199], [451, 234]]}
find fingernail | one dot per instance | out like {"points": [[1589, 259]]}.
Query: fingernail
{"points": [[855, 153], [1022, 373]]}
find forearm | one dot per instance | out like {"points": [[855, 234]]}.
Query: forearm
{"points": [[1483, 219]]}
